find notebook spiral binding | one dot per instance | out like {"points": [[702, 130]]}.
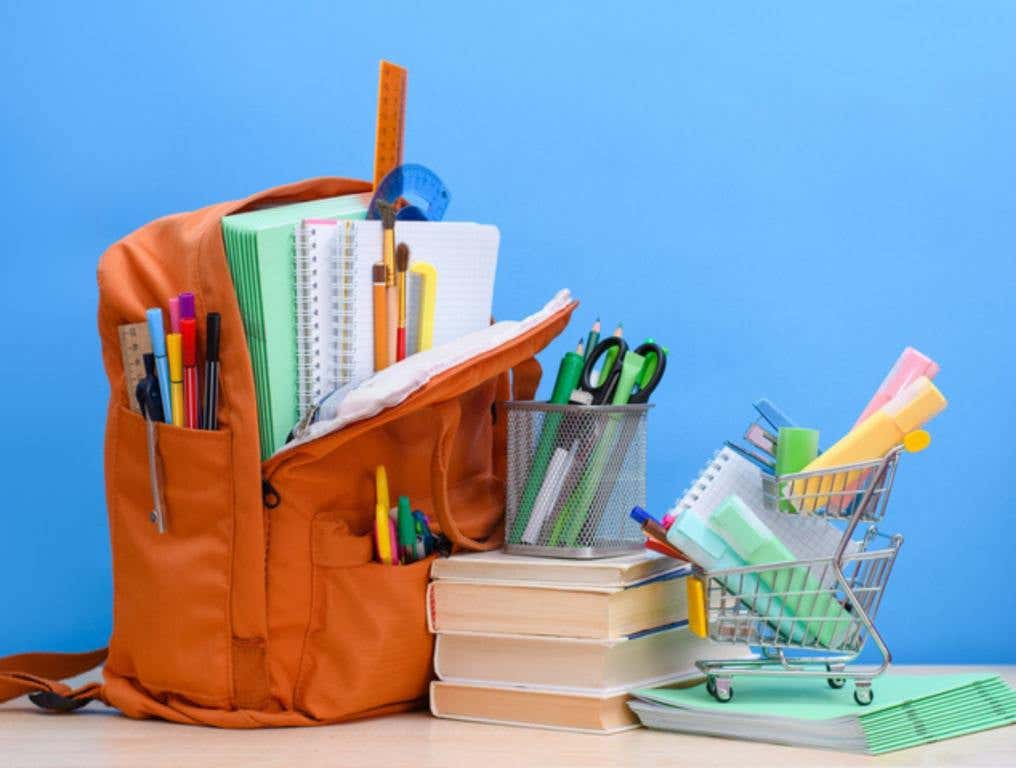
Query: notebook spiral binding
{"points": [[325, 309], [308, 360]]}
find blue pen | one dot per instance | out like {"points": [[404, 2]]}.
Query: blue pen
{"points": [[158, 335]]}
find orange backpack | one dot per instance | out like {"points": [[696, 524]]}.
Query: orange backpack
{"points": [[261, 605]]}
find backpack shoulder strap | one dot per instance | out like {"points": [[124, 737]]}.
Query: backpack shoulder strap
{"points": [[39, 676]]}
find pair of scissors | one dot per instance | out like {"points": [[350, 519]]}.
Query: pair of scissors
{"points": [[603, 391]]}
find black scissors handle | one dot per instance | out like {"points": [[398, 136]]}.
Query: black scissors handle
{"points": [[649, 349], [603, 389]]}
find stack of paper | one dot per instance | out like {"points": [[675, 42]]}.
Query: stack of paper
{"points": [[261, 250], [908, 710]]}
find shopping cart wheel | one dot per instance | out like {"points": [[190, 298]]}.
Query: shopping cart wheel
{"points": [[724, 690], [863, 695], [835, 682], [711, 685]]}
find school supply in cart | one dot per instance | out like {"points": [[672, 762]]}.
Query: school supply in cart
{"points": [[750, 588], [908, 367], [915, 405], [908, 710]]}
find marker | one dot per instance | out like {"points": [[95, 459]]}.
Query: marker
{"points": [[407, 531], [210, 419], [158, 337], [186, 305], [174, 351], [174, 314], [188, 334], [610, 357], [594, 337], [656, 534]]}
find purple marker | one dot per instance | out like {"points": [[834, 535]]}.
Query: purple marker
{"points": [[186, 305]]}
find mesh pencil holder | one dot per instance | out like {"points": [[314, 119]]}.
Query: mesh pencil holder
{"points": [[574, 473]]}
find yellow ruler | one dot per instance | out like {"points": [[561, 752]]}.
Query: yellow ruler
{"points": [[134, 342], [391, 119]]}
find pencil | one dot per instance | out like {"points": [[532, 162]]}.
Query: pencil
{"points": [[401, 265], [392, 299], [380, 318]]}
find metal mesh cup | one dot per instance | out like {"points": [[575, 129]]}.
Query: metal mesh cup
{"points": [[574, 473]]}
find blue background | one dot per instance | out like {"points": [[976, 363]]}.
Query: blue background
{"points": [[785, 196]]}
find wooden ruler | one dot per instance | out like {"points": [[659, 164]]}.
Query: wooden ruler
{"points": [[391, 119], [134, 342]]}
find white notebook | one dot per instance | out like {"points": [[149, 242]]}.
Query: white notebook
{"points": [[335, 333], [728, 472]]}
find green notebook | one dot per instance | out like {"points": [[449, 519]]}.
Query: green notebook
{"points": [[261, 251], [908, 710]]}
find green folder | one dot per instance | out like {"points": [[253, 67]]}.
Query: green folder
{"points": [[907, 710], [261, 251]]}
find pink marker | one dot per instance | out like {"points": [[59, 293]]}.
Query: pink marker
{"points": [[910, 366], [174, 315]]}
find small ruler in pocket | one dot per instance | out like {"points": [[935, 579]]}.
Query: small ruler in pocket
{"points": [[134, 342], [391, 120]]}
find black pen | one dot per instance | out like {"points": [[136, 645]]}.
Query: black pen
{"points": [[210, 416]]}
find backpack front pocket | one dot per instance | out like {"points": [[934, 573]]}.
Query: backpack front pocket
{"points": [[171, 590], [367, 647]]}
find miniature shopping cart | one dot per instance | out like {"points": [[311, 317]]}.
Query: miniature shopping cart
{"points": [[810, 617]]}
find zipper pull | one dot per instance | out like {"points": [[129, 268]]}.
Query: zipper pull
{"points": [[269, 495], [442, 545]]}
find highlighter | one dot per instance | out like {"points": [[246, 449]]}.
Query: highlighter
{"points": [[568, 375], [174, 351], [631, 367], [910, 364], [917, 403], [407, 531], [426, 275], [158, 337], [188, 335]]}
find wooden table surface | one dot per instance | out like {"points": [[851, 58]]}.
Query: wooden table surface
{"points": [[96, 736]]}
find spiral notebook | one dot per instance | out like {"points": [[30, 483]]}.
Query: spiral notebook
{"points": [[335, 334], [260, 249], [325, 308], [726, 473]]}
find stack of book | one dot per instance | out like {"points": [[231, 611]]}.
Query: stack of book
{"points": [[558, 643]]}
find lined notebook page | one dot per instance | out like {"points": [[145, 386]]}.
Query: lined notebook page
{"points": [[465, 257]]}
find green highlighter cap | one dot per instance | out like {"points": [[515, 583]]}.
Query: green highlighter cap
{"points": [[407, 529], [568, 376]]}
